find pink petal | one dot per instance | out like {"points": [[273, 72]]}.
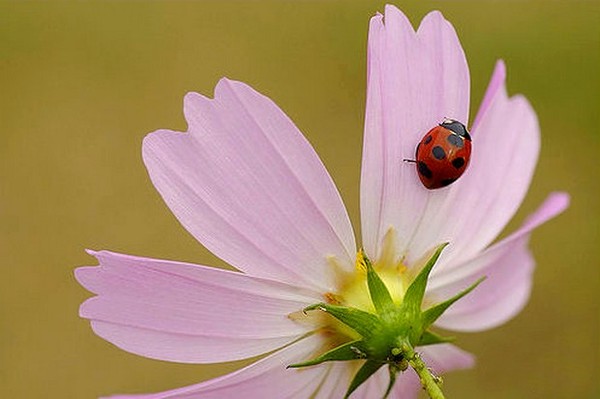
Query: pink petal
{"points": [[407, 386], [496, 85], [188, 313], [414, 81], [508, 266], [249, 187], [335, 381], [266, 378], [474, 210], [374, 387], [443, 358]]}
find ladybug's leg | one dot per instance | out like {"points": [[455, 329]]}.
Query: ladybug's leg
{"points": [[416, 152]]}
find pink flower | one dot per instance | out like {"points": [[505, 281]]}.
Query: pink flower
{"points": [[246, 183]]}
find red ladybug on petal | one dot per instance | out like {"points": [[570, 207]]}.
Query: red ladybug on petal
{"points": [[443, 154]]}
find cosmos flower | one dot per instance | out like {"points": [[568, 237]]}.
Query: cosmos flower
{"points": [[248, 186]]}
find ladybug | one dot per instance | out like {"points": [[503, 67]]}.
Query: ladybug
{"points": [[443, 154]]}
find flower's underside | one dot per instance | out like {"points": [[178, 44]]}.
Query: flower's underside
{"points": [[249, 187]]}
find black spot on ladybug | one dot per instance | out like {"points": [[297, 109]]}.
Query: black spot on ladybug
{"points": [[455, 140], [438, 152], [447, 182], [457, 128], [458, 162], [424, 170], [427, 139]]}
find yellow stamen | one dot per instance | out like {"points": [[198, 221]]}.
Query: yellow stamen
{"points": [[361, 265]]}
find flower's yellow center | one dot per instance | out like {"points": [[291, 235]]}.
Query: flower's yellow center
{"points": [[353, 290]]}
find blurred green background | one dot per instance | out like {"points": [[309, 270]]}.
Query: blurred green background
{"points": [[82, 83]]}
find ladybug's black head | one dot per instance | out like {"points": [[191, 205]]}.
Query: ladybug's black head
{"points": [[456, 127]]}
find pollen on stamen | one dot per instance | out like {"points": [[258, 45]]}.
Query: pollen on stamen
{"points": [[361, 264], [333, 299], [401, 267]]}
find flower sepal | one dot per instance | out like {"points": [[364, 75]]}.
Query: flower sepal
{"points": [[389, 335], [352, 350]]}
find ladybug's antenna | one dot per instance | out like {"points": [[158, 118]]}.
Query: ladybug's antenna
{"points": [[409, 160]]}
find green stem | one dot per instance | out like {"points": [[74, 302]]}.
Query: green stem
{"points": [[428, 380]]}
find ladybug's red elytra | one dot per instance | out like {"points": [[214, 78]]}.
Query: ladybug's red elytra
{"points": [[443, 154]]}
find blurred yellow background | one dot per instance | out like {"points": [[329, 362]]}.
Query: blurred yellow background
{"points": [[82, 83]]}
